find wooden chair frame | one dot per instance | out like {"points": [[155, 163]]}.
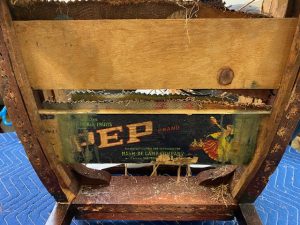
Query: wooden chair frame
{"points": [[64, 184]]}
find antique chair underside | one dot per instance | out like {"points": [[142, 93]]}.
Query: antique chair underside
{"points": [[57, 58]]}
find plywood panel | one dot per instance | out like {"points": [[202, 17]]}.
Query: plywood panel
{"points": [[131, 54]]}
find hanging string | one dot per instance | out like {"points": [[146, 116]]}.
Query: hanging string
{"points": [[126, 169], [154, 172], [188, 170], [178, 173]]}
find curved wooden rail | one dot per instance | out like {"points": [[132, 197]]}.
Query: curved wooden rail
{"points": [[91, 176]]}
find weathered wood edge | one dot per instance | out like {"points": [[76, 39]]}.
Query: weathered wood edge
{"points": [[61, 214], [91, 176], [155, 216], [276, 132], [13, 100], [216, 176], [129, 9], [153, 111], [281, 139], [276, 8], [247, 215], [63, 181]]}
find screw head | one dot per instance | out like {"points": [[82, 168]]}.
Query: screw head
{"points": [[225, 76]]}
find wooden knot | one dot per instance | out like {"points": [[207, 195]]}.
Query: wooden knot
{"points": [[226, 75]]}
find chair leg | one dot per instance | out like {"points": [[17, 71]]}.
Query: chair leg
{"points": [[60, 215], [247, 215]]}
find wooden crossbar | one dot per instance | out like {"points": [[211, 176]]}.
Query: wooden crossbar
{"points": [[141, 54]]}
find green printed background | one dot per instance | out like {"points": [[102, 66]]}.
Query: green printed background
{"points": [[212, 139]]}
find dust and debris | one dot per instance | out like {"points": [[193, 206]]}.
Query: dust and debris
{"points": [[145, 190], [221, 193], [243, 103], [245, 100], [143, 99]]}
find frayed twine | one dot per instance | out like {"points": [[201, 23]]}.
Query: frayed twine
{"points": [[189, 13]]}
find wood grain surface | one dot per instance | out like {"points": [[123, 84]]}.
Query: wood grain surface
{"points": [[153, 198], [133, 54]]}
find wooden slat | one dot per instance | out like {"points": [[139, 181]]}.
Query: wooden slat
{"points": [[17, 106], [247, 215], [157, 216], [280, 139], [276, 8], [153, 111], [30, 128], [153, 198], [276, 133], [60, 215], [132, 54]]}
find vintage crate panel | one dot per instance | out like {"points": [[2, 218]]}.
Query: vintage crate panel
{"points": [[164, 139]]}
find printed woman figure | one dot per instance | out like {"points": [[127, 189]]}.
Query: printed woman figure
{"points": [[217, 145]]}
